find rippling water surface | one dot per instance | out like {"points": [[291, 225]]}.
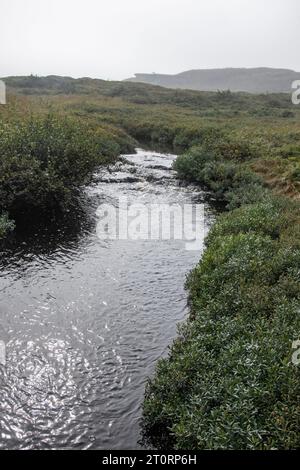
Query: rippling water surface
{"points": [[84, 320]]}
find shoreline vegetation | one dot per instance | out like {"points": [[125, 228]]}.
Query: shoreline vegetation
{"points": [[228, 381], [46, 159]]}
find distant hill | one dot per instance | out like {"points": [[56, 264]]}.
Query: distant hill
{"points": [[255, 80], [206, 102]]}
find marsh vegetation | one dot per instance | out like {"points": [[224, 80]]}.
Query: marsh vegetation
{"points": [[228, 381]]}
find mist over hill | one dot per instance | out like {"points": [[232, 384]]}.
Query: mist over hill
{"points": [[255, 80]]}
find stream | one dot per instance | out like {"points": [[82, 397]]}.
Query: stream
{"points": [[85, 319]]}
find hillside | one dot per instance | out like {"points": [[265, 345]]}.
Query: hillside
{"points": [[257, 80], [173, 119], [147, 94]]}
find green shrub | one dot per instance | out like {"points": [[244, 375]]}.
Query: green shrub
{"points": [[228, 385], [271, 217], [228, 382], [219, 168], [44, 160], [188, 137]]}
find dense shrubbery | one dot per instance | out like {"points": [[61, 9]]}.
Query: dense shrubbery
{"points": [[44, 159], [229, 382], [275, 216], [220, 168]]}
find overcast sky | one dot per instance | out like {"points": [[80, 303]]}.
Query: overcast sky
{"points": [[113, 39]]}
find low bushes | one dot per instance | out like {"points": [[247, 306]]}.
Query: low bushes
{"points": [[221, 168], [43, 160], [275, 216], [229, 382]]}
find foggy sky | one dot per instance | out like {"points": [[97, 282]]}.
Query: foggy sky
{"points": [[113, 39]]}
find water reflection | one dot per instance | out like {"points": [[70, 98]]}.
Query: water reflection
{"points": [[85, 320]]}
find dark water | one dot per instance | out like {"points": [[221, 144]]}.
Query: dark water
{"points": [[85, 320]]}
